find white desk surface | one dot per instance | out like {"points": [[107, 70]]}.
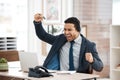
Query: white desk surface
{"points": [[16, 73]]}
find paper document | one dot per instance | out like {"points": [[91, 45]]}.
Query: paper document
{"points": [[65, 72]]}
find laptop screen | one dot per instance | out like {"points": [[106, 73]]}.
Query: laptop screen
{"points": [[28, 60]]}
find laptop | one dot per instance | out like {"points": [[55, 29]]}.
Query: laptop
{"points": [[28, 60]]}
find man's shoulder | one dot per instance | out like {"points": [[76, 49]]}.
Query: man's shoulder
{"points": [[62, 36], [88, 42]]}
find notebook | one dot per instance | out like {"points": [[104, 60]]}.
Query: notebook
{"points": [[28, 60]]}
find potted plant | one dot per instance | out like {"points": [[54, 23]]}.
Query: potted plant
{"points": [[3, 64]]}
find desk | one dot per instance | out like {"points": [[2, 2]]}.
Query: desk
{"points": [[15, 72]]}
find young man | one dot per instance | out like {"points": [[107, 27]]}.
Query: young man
{"points": [[84, 54]]}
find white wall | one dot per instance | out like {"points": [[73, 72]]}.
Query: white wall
{"points": [[116, 12], [33, 41]]}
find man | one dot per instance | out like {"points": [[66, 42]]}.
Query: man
{"points": [[84, 53]]}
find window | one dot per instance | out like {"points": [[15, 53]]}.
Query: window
{"points": [[13, 21]]}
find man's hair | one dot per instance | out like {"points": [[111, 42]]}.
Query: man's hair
{"points": [[74, 21]]}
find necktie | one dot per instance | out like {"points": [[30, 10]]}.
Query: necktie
{"points": [[71, 64]]}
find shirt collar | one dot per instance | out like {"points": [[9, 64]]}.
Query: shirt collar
{"points": [[78, 39]]}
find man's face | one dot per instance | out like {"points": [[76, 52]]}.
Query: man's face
{"points": [[70, 32]]}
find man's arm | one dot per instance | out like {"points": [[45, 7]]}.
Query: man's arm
{"points": [[92, 57], [40, 32]]}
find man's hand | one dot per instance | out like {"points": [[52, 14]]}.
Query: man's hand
{"points": [[38, 17], [89, 57]]}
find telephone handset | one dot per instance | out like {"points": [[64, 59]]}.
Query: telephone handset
{"points": [[39, 71]]}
